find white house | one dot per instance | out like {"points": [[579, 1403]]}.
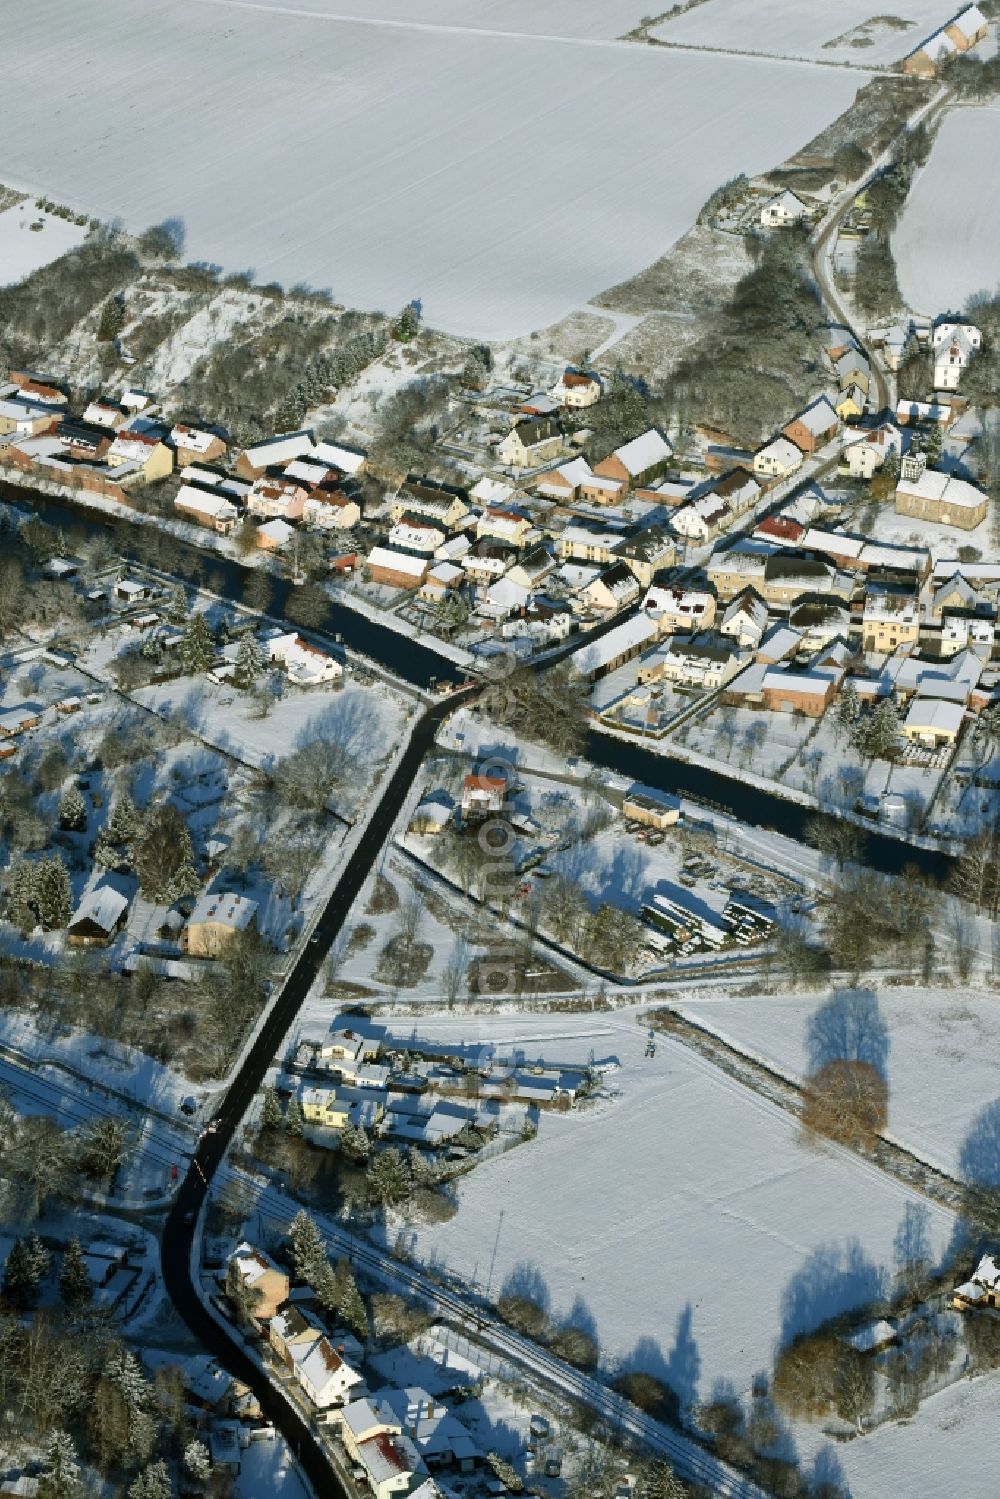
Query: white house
{"points": [[871, 450], [777, 460], [745, 619], [782, 211], [955, 344], [304, 664]]}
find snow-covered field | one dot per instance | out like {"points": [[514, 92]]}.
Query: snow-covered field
{"points": [[684, 1221], [501, 178], [942, 1449], [939, 1048], [24, 249], [947, 244], [787, 28]]}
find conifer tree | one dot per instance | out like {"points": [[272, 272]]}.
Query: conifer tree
{"points": [[39, 1258], [21, 886], [74, 1282], [197, 649], [61, 1479], [308, 1248], [72, 810], [294, 1118], [249, 661], [20, 1283], [53, 895], [352, 1308], [270, 1116]]}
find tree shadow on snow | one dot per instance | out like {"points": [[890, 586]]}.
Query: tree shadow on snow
{"points": [[849, 1027], [835, 1278]]}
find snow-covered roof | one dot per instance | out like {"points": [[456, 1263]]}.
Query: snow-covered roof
{"points": [[632, 633], [578, 471], [400, 562], [818, 416], [787, 202], [196, 439], [935, 484], [103, 905], [277, 530], [224, 908], [489, 491], [198, 500], [780, 451], [644, 452], [348, 460], [281, 449], [934, 713]]}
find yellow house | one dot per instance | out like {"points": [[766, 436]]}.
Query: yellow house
{"points": [[850, 406], [322, 1106], [259, 1273], [147, 457], [215, 921]]}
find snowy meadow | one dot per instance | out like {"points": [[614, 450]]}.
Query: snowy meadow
{"points": [[501, 177]]}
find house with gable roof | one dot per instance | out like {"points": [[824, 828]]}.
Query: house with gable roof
{"points": [[783, 210]]}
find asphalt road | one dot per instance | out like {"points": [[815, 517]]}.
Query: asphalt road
{"points": [[179, 1232]]}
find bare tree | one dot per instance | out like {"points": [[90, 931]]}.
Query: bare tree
{"points": [[846, 1101]]}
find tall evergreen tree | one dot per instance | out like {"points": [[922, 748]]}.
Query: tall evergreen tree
{"points": [[197, 1462], [294, 1117], [270, 1114], [249, 661], [74, 1282], [40, 1259], [72, 809], [154, 1483], [21, 886], [61, 1479], [20, 1283], [352, 1308], [54, 894], [197, 648], [308, 1248]]}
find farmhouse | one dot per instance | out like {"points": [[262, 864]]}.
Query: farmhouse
{"points": [[215, 921], [195, 444], [563, 483], [576, 389], [505, 523], [98, 918], [778, 459], [639, 460], [531, 443], [871, 449], [817, 425], [258, 1272], [782, 211], [331, 510], [15, 720], [209, 510], [684, 609], [416, 533], [982, 1289]]}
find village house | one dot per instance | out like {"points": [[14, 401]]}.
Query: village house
{"points": [[277, 498], [102, 412], [814, 427], [195, 444], [487, 561], [981, 1290], [672, 608], [934, 495], [354, 1039], [646, 553], [483, 795], [99, 917], [790, 575], [781, 211], [504, 523], [347, 461], [577, 389], [23, 418], [924, 413], [444, 504], [967, 29], [306, 1350], [933, 722], [325, 1107], [956, 593], [614, 589], [254, 462], [215, 921], [259, 1273], [44, 389], [954, 344], [783, 529], [274, 535], [532, 567], [84, 443], [891, 619], [396, 569], [703, 519], [851, 404], [304, 664], [739, 489], [777, 459], [563, 483], [331, 510], [587, 544], [745, 618], [539, 404], [146, 454], [531, 443], [441, 581], [705, 661], [637, 461], [871, 449], [808, 692], [819, 622], [213, 511], [852, 369], [416, 533]]}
